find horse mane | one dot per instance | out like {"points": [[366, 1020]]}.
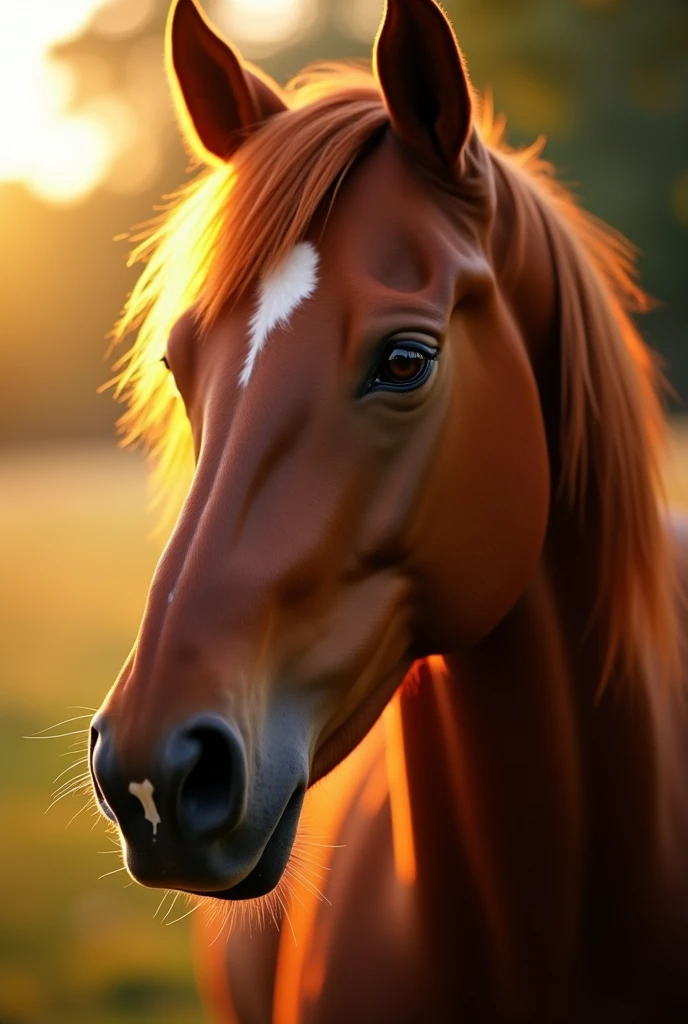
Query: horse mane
{"points": [[612, 427], [231, 224]]}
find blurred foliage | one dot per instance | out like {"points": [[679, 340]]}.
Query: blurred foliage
{"points": [[605, 80]]}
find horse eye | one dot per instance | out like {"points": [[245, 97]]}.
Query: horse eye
{"points": [[165, 362], [405, 366]]}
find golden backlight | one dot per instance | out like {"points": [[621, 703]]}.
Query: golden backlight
{"points": [[260, 26], [60, 153], [62, 144]]}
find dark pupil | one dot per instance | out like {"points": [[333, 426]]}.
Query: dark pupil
{"points": [[403, 364]]}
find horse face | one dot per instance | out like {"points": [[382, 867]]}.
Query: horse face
{"points": [[371, 487]]}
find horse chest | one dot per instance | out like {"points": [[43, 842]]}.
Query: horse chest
{"points": [[367, 949], [358, 957]]}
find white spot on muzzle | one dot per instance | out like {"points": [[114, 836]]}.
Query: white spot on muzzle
{"points": [[279, 294], [143, 791]]}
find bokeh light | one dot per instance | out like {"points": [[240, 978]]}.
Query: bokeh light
{"points": [[262, 25], [118, 18], [360, 18], [59, 153], [68, 158], [61, 147]]}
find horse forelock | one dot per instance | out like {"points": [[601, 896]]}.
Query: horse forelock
{"points": [[233, 227]]}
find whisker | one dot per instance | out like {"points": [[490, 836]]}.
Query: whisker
{"points": [[286, 912], [81, 779], [223, 921], [82, 773], [57, 725], [325, 846], [115, 871], [269, 904], [188, 912], [164, 897], [310, 862], [292, 890], [306, 882], [55, 799], [56, 736], [176, 897], [79, 785], [75, 816], [82, 760], [309, 869]]}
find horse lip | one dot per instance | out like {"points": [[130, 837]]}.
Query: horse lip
{"points": [[234, 891]]}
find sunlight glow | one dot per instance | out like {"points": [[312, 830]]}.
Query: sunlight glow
{"points": [[118, 18], [59, 154], [67, 159], [262, 22]]}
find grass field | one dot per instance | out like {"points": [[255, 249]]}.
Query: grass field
{"points": [[76, 557]]}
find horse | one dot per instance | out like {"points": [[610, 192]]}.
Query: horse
{"points": [[423, 593]]}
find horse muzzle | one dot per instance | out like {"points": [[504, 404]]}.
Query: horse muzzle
{"points": [[191, 819]]}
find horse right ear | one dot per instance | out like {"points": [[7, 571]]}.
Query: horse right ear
{"points": [[220, 99], [424, 81]]}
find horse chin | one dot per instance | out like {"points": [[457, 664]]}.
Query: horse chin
{"points": [[265, 875]]}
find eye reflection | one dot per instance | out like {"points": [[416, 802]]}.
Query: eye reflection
{"points": [[405, 366]]}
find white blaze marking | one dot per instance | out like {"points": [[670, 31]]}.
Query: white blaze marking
{"points": [[144, 792], [279, 294]]}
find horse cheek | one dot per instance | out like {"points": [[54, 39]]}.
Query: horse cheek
{"points": [[485, 514]]}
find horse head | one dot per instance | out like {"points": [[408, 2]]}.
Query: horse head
{"points": [[371, 479]]}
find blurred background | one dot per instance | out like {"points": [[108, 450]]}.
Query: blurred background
{"points": [[88, 146]]}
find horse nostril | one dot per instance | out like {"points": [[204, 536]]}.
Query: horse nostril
{"points": [[208, 759]]}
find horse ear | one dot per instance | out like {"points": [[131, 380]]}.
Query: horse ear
{"points": [[219, 98], [424, 80]]}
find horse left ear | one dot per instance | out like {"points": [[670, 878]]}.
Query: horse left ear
{"points": [[221, 98], [424, 80]]}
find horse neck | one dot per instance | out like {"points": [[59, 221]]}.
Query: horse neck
{"points": [[523, 782], [522, 796]]}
